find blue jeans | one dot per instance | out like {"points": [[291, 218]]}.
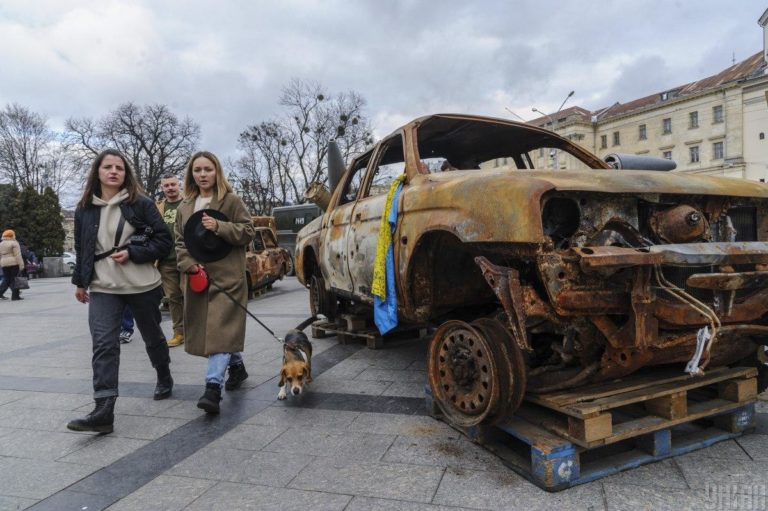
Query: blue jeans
{"points": [[127, 323], [217, 366]]}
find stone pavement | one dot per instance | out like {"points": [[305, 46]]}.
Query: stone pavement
{"points": [[360, 440]]}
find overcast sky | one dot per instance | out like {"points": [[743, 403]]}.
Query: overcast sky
{"points": [[224, 62]]}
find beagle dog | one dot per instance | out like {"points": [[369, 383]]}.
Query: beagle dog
{"points": [[297, 361]]}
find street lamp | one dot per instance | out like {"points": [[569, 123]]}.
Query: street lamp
{"points": [[554, 124], [513, 113]]}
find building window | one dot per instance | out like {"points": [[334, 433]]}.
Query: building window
{"points": [[666, 126], [717, 151], [694, 151], [603, 141], [541, 152], [642, 134], [616, 138], [761, 136], [717, 113], [693, 120], [667, 155]]}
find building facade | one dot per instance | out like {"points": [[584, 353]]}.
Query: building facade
{"points": [[714, 126]]}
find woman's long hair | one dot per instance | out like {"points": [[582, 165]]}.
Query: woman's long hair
{"points": [[191, 190], [93, 185]]}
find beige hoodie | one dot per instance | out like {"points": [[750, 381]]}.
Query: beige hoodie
{"points": [[109, 276]]}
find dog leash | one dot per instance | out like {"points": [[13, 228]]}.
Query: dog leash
{"points": [[236, 302]]}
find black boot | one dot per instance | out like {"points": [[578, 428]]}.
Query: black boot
{"points": [[164, 383], [210, 400], [237, 375], [100, 420]]}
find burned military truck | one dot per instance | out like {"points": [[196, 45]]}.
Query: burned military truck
{"points": [[541, 279]]}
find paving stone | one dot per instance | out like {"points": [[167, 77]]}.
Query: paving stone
{"points": [[104, 450], [180, 410], [9, 396], [632, 498], [40, 420], [365, 361], [664, 474], [41, 445], [385, 480], [347, 369], [372, 373], [266, 468], [306, 417], [506, 490], [372, 504], [405, 389], [166, 493], [328, 385], [727, 449], [49, 401], [231, 496], [442, 453], [250, 437], [756, 446], [700, 472], [145, 428], [408, 425], [36, 479], [339, 444], [143, 406], [15, 503]]}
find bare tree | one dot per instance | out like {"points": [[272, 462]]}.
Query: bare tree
{"points": [[286, 154], [31, 155], [152, 137]]}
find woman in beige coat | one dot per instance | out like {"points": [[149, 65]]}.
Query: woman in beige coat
{"points": [[214, 326], [12, 263]]}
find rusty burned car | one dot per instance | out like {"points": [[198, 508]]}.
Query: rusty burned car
{"points": [[265, 261], [539, 279]]}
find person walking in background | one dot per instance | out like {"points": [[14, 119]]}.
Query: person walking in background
{"points": [[169, 272], [11, 262], [126, 326], [213, 227], [119, 235]]}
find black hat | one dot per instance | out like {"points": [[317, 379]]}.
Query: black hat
{"points": [[204, 245]]}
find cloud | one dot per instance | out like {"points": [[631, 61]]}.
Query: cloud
{"points": [[224, 63]]}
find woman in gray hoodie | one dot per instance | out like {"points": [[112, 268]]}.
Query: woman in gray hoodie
{"points": [[119, 234]]}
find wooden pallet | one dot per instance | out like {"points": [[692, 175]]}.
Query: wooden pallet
{"points": [[563, 439], [350, 328]]}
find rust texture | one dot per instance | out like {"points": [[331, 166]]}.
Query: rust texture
{"points": [[547, 279]]}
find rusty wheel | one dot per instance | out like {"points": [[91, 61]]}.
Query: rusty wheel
{"points": [[511, 364], [463, 374], [320, 300]]}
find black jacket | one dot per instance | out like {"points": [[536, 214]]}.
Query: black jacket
{"points": [[142, 213]]}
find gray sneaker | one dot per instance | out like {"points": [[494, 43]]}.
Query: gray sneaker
{"points": [[125, 336]]}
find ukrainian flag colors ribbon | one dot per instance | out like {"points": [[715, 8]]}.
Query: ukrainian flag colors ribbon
{"points": [[383, 285]]}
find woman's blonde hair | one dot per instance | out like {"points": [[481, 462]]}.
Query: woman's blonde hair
{"points": [[191, 190], [93, 185]]}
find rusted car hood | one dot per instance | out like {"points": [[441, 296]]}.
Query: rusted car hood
{"points": [[614, 181]]}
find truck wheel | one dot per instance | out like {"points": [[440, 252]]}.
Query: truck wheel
{"points": [[320, 300], [290, 270]]}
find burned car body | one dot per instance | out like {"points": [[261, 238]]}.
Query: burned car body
{"points": [[543, 279], [265, 261]]}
